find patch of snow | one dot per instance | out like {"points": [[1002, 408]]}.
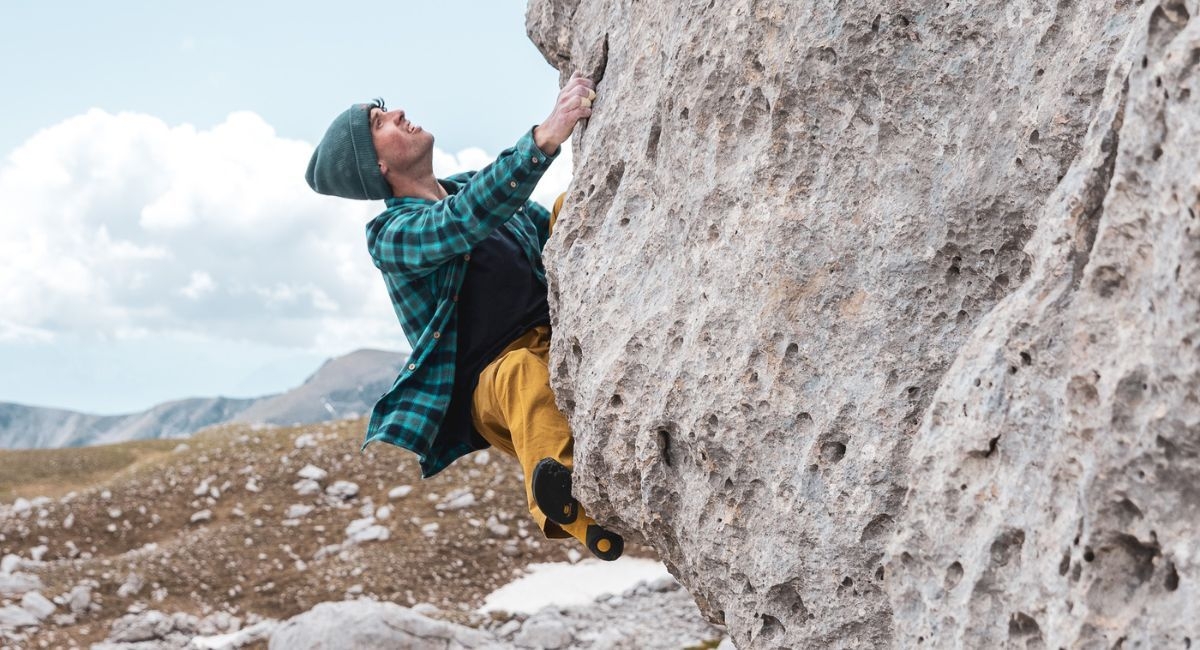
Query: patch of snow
{"points": [[561, 584]]}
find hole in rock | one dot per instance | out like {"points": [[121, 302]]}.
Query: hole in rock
{"points": [[833, 451], [1035, 137], [1007, 546], [791, 352], [664, 446], [1088, 554], [1026, 359], [954, 574], [877, 528], [770, 628], [615, 401], [652, 142], [1171, 582], [1023, 625]]}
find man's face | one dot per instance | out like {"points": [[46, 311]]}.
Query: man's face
{"points": [[399, 143]]}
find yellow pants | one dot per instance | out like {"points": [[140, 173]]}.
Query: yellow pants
{"points": [[514, 410]]}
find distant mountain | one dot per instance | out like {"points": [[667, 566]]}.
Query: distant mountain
{"points": [[343, 387]]}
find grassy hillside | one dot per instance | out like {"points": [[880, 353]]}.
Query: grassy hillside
{"points": [[132, 508]]}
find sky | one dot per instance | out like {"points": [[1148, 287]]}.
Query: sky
{"points": [[157, 239]]}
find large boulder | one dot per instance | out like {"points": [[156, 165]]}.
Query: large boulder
{"points": [[367, 623], [879, 322]]}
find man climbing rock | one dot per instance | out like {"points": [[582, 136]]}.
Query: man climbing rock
{"points": [[461, 259]]}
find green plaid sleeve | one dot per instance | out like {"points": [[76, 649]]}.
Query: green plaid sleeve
{"points": [[417, 235], [540, 217]]}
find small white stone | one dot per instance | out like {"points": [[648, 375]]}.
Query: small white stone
{"points": [[399, 492], [342, 490], [79, 599], [306, 487], [68, 521], [312, 472], [383, 512], [114, 513], [297, 510], [482, 457], [13, 616], [202, 489], [306, 440], [203, 515], [252, 486], [37, 604], [132, 585], [38, 552], [9, 563], [430, 529], [457, 500]]}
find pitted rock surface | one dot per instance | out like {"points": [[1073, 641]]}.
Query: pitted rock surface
{"points": [[880, 321]]}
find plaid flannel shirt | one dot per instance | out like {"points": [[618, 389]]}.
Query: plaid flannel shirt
{"points": [[422, 247]]}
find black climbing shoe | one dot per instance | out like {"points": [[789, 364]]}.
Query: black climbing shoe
{"points": [[552, 491], [603, 543]]}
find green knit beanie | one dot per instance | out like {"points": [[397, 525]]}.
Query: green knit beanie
{"points": [[345, 163]]}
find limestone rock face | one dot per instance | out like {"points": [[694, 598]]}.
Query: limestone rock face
{"points": [[881, 322]]}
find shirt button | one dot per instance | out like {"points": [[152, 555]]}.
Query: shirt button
{"points": [[512, 183], [521, 209], [454, 298], [437, 335], [467, 257], [535, 160], [412, 366]]}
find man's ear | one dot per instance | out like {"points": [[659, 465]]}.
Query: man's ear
{"points": [[383, 168]]}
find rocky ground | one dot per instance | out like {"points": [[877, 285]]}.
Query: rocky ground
{"points": [[241, 527]]}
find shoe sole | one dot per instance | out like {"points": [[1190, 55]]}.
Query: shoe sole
{"points": [[604, 544], [552, 492]]}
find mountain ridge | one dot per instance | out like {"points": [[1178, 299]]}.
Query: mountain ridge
{"points": [[340, 387]]}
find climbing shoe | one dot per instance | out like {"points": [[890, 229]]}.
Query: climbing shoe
{"points": [[552, 491], [603, 543]]}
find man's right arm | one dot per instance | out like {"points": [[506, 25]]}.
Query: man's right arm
{"points": [[415, 240]]}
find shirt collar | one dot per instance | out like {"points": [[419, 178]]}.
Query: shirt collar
{"points": [[451, 187]]}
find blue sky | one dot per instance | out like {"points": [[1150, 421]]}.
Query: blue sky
{"points": [[156, 237]]}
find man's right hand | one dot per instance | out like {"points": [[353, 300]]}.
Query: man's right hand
{"points": [[574, 104]]}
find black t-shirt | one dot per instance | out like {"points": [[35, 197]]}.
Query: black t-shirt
{"points": [[501, 298]]}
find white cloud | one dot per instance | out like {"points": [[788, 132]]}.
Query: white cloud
{"points": [[120, 226], [200, 284]]}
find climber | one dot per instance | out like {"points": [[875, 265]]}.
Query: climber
{"points": [[461, 259]]}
